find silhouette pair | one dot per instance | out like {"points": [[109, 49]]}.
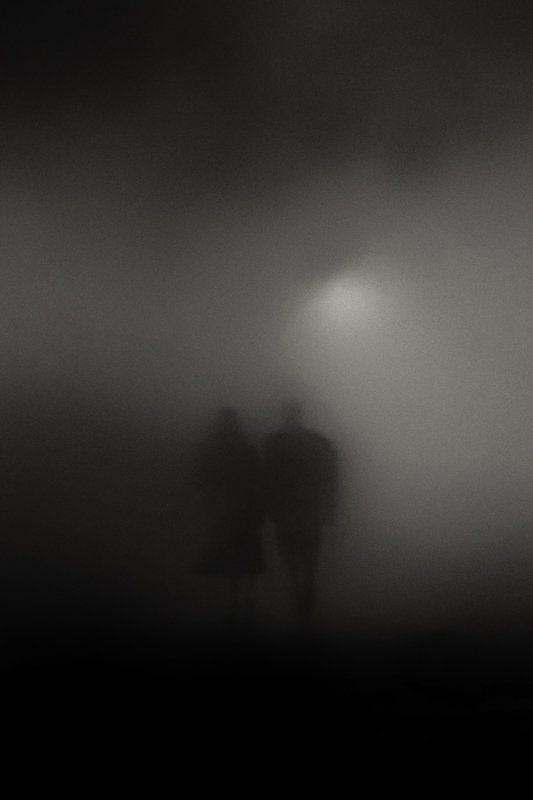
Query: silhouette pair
{"points": [[292, 483]]}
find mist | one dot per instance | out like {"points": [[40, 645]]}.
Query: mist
{"points": [[231, 205], [397, 308], [235, 206]]}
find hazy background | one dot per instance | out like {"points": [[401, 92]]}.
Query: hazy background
{"points": [[233, 202]]}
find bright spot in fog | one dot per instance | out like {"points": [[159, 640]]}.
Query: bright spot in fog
{"points": [[349, 301]]}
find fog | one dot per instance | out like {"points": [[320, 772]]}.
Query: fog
{"points": [[399, 310], [229, 222]]}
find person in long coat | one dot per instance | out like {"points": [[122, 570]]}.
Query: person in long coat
{"points": [[229, 479], [302, 488]]}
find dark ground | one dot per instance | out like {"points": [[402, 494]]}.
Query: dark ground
{"points": [[108, 714], [99, 701]]}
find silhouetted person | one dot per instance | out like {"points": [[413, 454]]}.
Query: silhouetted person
{"points": [[229, 479], [301, 470]]}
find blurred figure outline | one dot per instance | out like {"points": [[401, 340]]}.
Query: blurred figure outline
{"points": [[229, 480], [302, 487]]}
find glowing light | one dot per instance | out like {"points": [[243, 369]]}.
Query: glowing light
{"points": [[349, 302]]}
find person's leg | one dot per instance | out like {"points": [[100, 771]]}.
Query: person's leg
{"points": [[298, 583], [309, 579], [295, 582], [241, 606], [308, 594], [233, 612], [248, 597], [287, 541], [293, 541]]}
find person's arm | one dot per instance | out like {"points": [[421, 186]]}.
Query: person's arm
{"points": [[269, 477], [331, 484]]}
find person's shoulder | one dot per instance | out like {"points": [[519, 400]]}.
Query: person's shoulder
{"points": [[317, 437], [321, 443]]}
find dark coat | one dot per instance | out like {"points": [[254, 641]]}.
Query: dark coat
{"points": [[301, 478], [229, 480]]}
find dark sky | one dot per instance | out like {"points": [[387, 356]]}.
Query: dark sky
{"points": [[171, 172], [153, 151], [229, 92], [147, 141]]}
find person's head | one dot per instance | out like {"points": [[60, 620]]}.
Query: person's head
{"points": [[292, 414], [227, 422]]}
